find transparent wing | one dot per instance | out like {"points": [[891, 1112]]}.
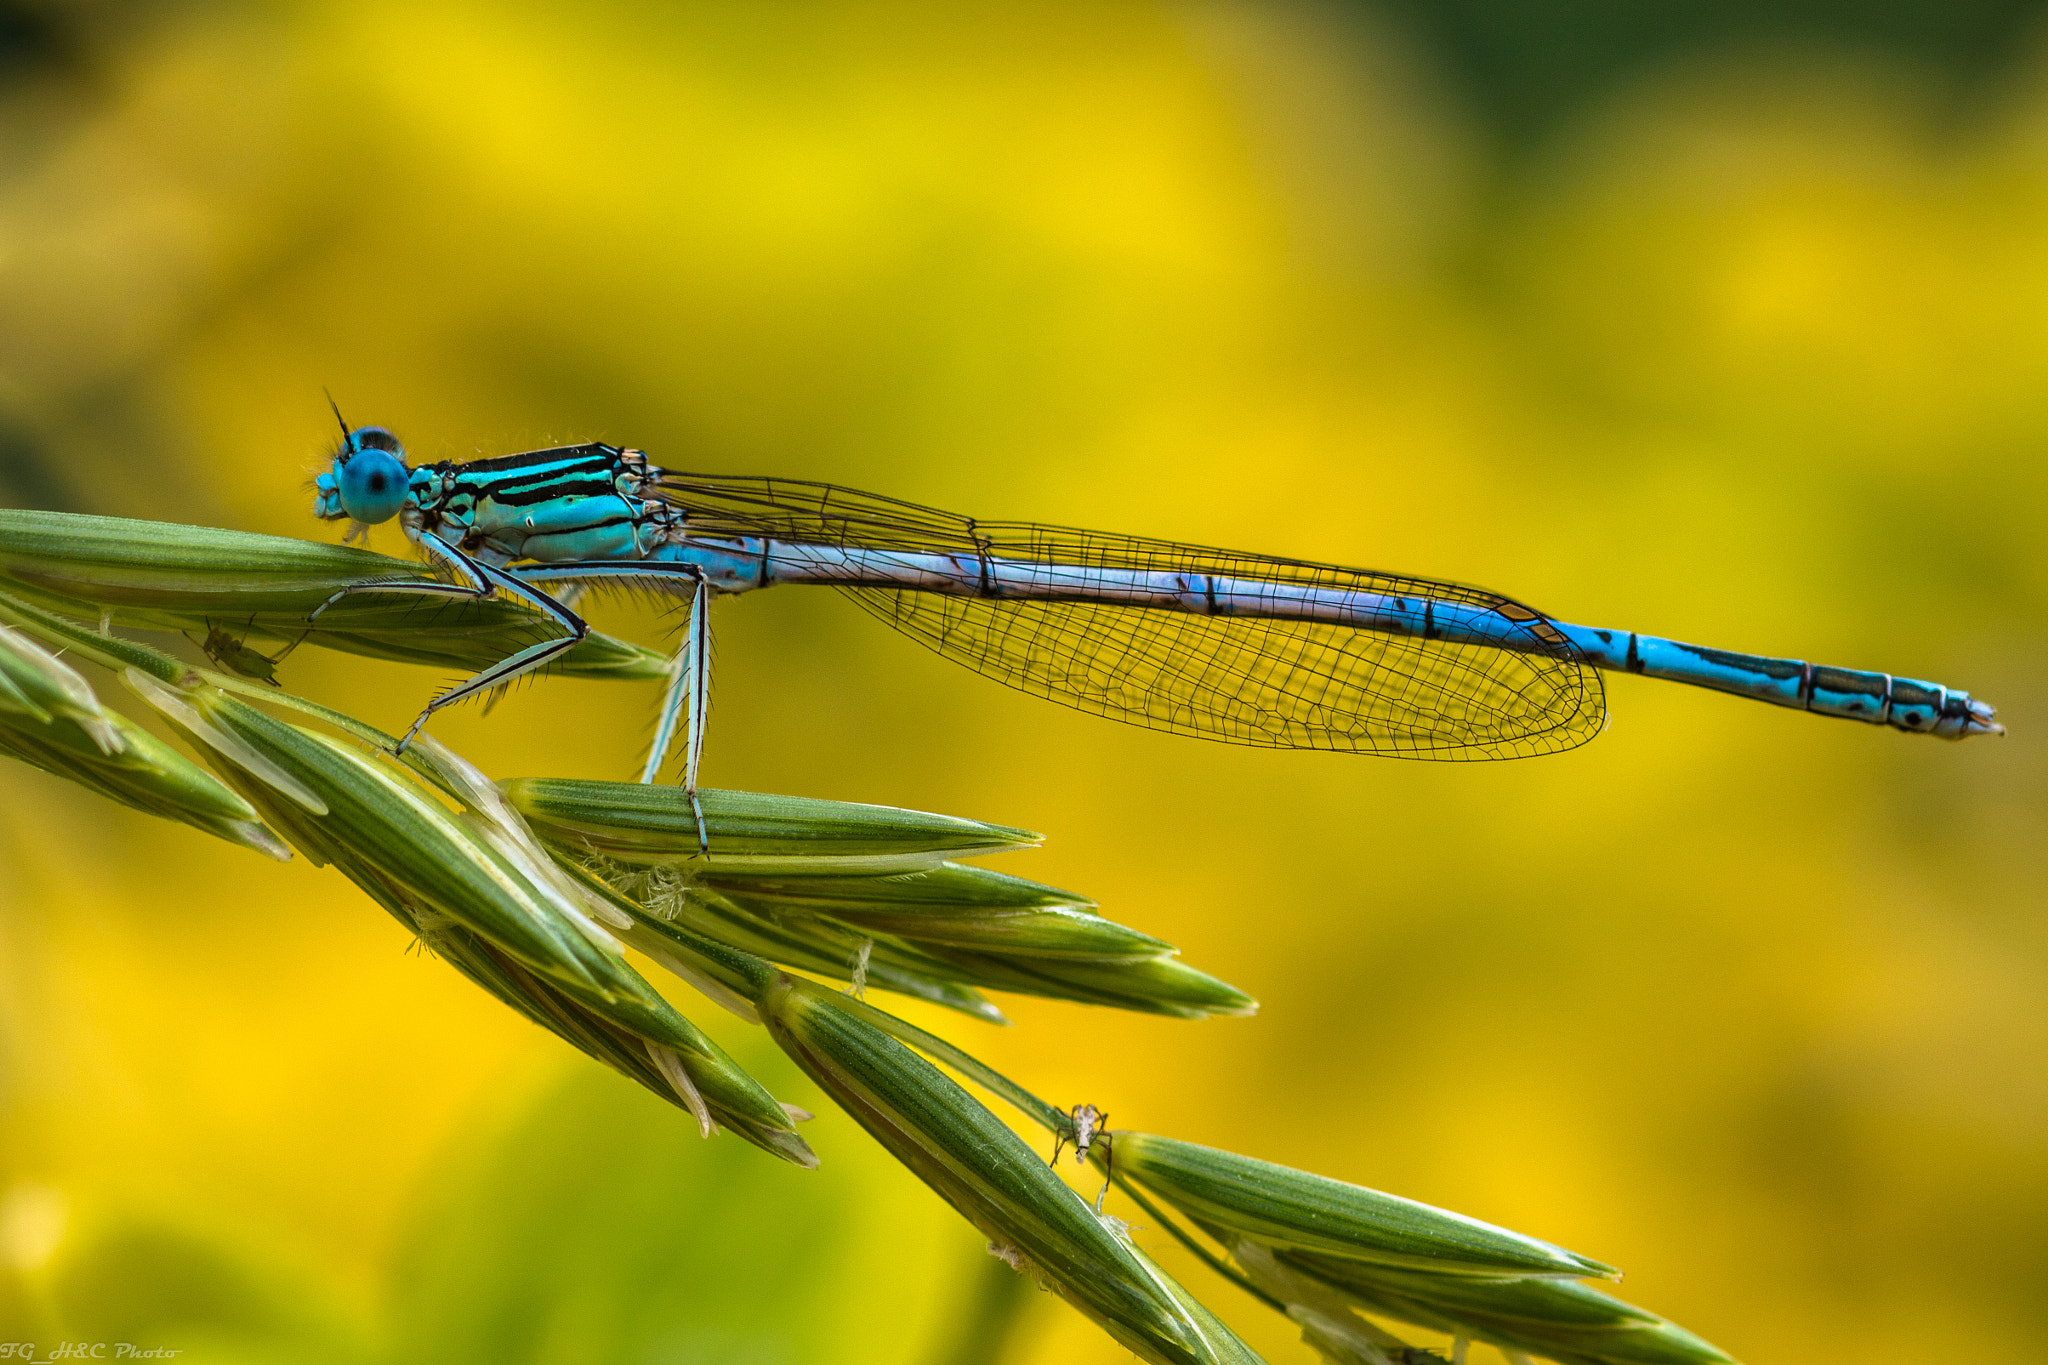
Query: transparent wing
{"points": [[1272, 682]]}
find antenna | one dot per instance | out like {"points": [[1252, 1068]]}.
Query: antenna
{"points": [[345, 442]]}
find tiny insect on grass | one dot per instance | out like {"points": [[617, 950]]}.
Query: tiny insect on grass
{"points": [[1090, 1129], [233, 653]]}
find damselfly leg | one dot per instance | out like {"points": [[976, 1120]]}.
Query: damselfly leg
{"points": [[688, 699], [687, 702], [483, 581]]}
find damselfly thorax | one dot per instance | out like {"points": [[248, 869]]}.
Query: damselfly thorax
{"points": [[585, 502]]}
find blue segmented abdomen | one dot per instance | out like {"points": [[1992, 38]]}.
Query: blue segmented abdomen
{"points": [[1879, 698], [739, 564]]}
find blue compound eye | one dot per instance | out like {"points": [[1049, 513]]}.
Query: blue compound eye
{"points": [[371, 475]]}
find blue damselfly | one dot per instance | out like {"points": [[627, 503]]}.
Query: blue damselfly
{"points": [[1243, 648]]}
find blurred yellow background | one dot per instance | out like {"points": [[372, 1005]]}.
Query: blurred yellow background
{"points": [[1746, 344]]}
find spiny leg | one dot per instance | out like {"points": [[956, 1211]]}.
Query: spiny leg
{"points": [[689, 690], [687, 701], [514, 665], [438, 549], [672, 700], [483, 580]]}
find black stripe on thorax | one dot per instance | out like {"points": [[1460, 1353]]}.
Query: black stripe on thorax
{"points": [[590, 451], [536, 476]]}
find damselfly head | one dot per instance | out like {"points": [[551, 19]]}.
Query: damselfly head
{"points": [[368, 481]]}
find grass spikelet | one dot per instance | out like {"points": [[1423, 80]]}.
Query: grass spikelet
{"points": [[51, 718]]}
